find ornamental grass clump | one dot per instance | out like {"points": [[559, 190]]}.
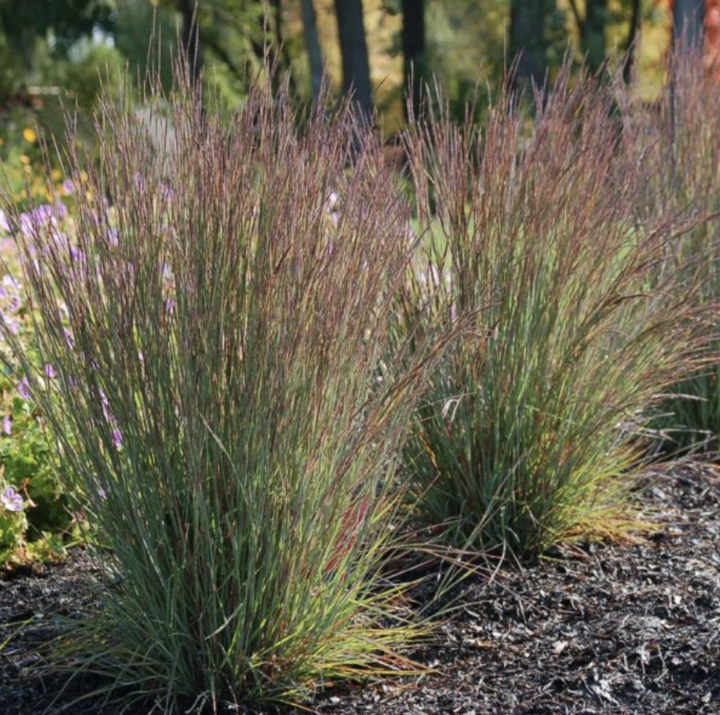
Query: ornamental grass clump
{"points": [[684, 133], [227, 399], [531, 424]]}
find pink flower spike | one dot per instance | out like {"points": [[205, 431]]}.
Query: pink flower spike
{"points": [[7, 425]]}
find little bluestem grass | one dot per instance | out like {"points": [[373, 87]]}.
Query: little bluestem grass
{"points": [[681, 135], [534, 420], [227, 399]]}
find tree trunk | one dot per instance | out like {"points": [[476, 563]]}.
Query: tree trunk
{"points": [[190, 38], [597, 15], [633, 33], [353, 47], [688, 17], [312, 45], [528, 40], [280, 52], [413, 46]]}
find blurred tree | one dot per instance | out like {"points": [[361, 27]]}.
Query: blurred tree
{"points": [[712, 38], [279, 55], [530, 39], [353, 47], [591, 27], [631, 43], [312, 47], [190, 38], [32, 28], [133, 23], [688, 18], [413, 47]]}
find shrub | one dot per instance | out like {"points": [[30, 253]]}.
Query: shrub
{"points": [[533, 233], [225, 397]]}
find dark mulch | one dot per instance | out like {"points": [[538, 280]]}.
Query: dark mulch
{"points": [[598, 629]]}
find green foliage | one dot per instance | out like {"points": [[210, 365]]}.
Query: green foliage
{"points": [[460, 57], [134, 23], [29, 463], [35, 29], [218, 400], [530, 425], [13, 526]]}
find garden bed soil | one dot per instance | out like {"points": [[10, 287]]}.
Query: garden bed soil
{"points": [[603, 629]]}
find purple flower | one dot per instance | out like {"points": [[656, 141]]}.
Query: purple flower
{"points": [[11, 500], [50, 371], [32, 221], [68, 186], [24, 390], [113, 237], [10, 323], [9, 281], [117, 438], [7, 425], [166, 192], [170, 306]]}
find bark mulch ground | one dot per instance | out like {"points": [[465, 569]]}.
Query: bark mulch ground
{"points": [[595, 629]]}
